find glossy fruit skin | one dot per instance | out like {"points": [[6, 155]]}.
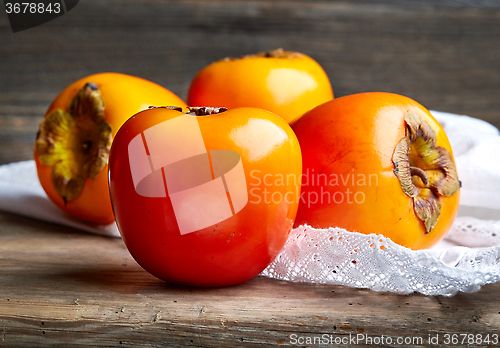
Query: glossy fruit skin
{"points": [[235, 249], [286, 86], [123, 96], [356, 135]]}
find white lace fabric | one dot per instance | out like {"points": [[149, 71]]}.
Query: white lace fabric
{"points": [[468, 258], [336, 256]]}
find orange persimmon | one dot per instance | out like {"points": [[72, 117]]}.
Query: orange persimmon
{"points": [[192, 193], [286, 83], [377, 163], [74, 139]]}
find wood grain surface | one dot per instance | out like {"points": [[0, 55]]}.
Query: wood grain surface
{"points": [[62, 288], [442, 53]]}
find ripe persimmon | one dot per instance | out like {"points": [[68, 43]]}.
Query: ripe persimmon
{"points": [[74, 139], [286, 83], [192, 193], [377, 163]]}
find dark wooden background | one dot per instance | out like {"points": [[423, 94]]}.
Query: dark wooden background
{"points": [[444, 54]]}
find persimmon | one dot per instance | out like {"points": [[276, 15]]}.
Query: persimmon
{"points": [[74, 139], [377, 163], [193, 192], [284, 82]]}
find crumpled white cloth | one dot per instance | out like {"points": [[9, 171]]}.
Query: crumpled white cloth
{"points": [[21, 193], [467, 258]]}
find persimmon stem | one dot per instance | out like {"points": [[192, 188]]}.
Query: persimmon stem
{"points": [[439, 176], [194, 110], [421, 174], [75, 142], [205, 110], [277, 53], [272, 54]]}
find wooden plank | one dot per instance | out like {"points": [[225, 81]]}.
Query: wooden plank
{"points": [[443, 54], [60, 288]]}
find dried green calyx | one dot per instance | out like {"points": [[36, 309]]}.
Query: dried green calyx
{"points": [[205, 110], [277, 53], [195, 110], [426, 171], [75, 142]]}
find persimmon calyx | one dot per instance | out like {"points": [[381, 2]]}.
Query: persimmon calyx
{"points": [[277, 53], [75, 142], [426, 171], [195, 110], [205, 110]]}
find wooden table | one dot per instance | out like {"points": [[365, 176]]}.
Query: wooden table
{"points": [[60, 287]]}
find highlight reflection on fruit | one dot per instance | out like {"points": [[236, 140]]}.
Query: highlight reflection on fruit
{"points": [[286, 83], [377, 163], [193, 193], [74, 139]]}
